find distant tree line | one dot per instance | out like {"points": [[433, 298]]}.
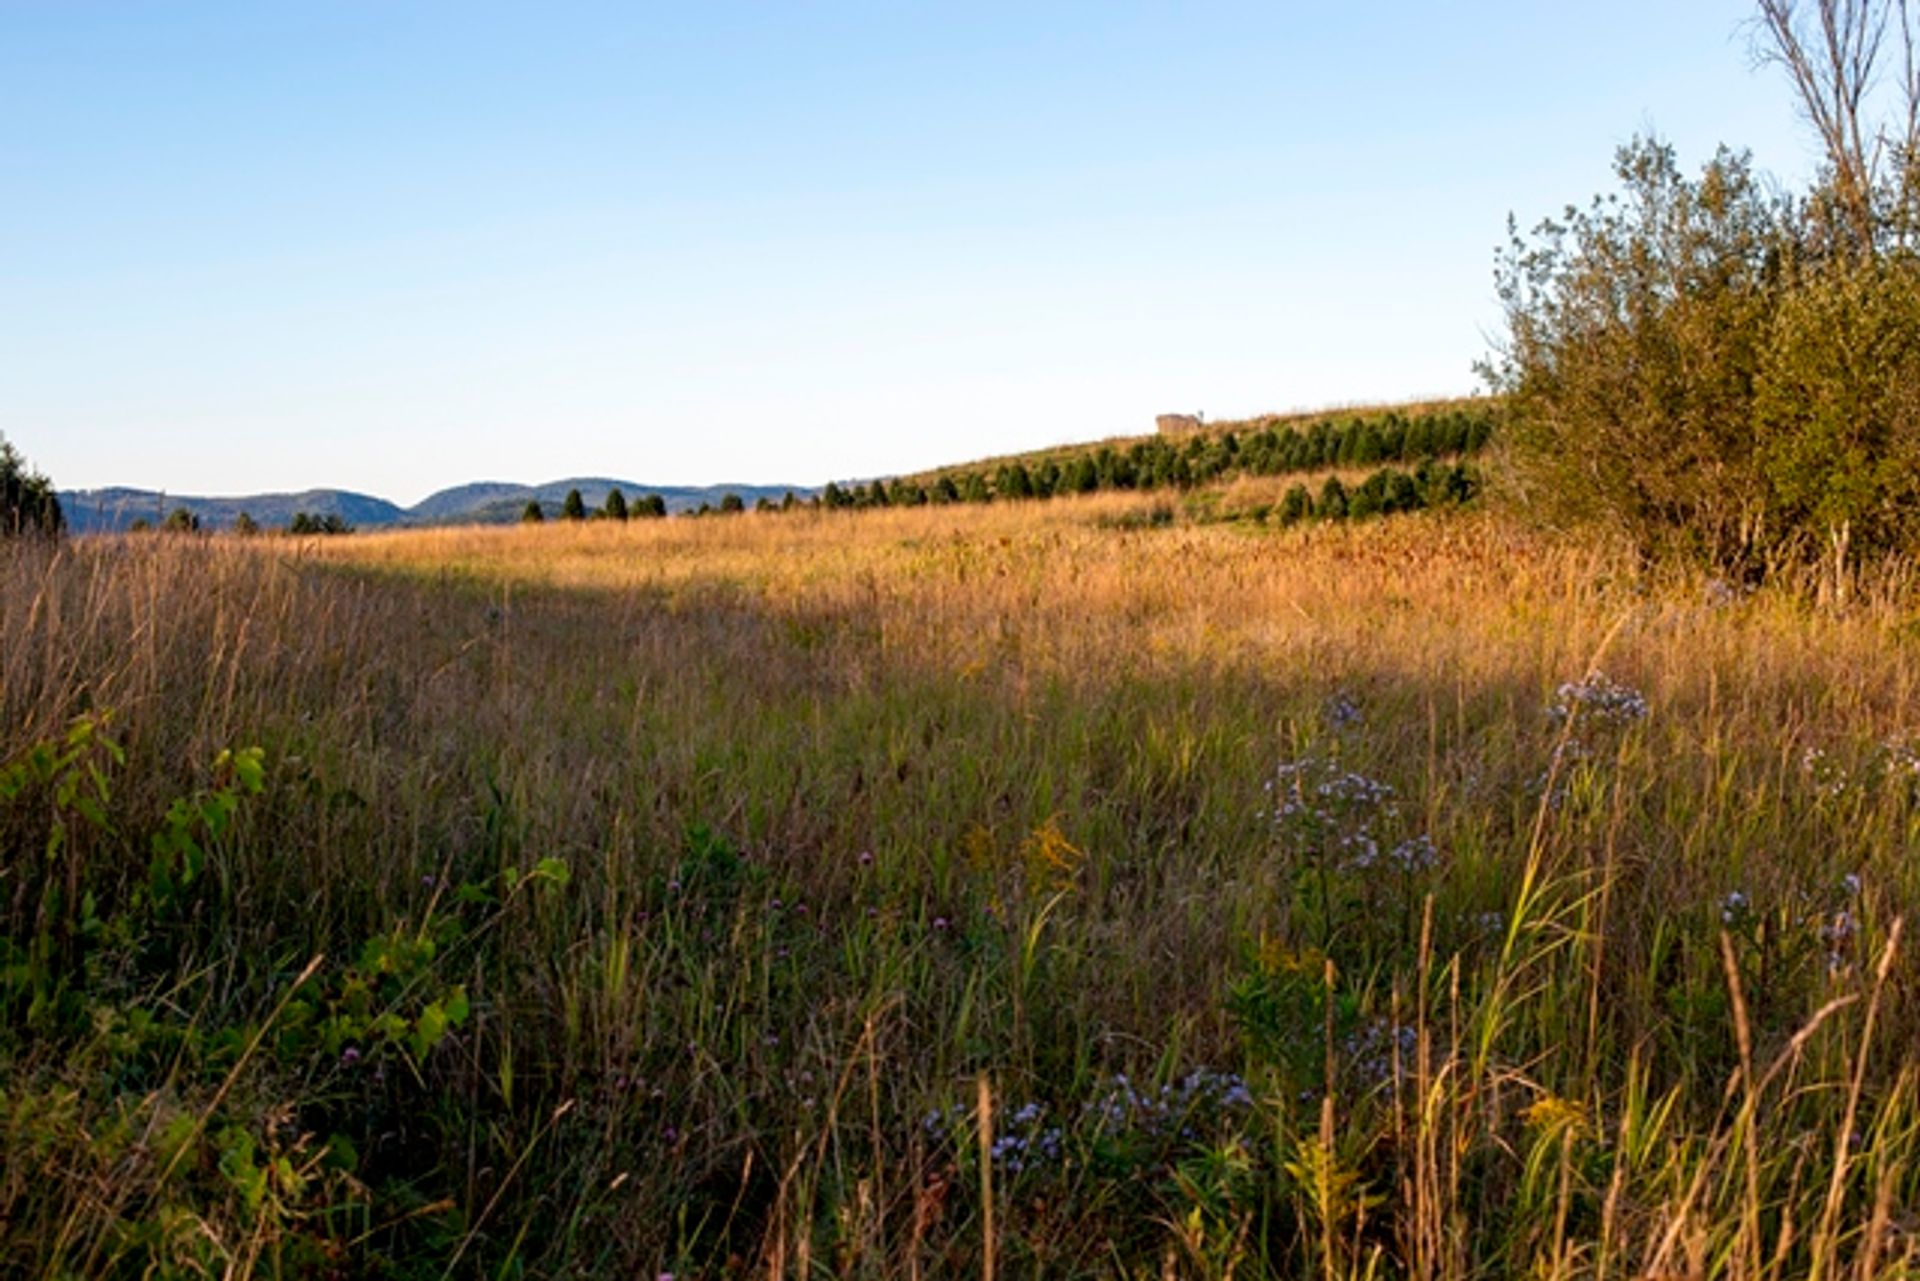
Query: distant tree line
{"points": [[28, 503], [305, 523], [1161, 463], [184, 520], [616, 507], [180, 520], [1385, 492]]}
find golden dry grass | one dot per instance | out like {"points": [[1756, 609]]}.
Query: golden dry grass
{"points": [[1013, 761]]}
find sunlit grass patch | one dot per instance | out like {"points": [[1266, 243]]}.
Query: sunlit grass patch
{"points": [[1412, 896]]}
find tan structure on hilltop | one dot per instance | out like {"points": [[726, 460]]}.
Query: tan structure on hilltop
{"points": [[1179, 424]]}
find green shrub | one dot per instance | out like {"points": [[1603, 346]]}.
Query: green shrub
{"points": [[1837, 410], [1701, 364], [1635, 329], [1369, 498], [1402, 495], [1013, 481]]}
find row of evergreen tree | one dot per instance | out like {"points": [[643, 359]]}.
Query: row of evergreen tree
{"points": [[1167, 463], [1431, 484], [27, 500], [183, 520], [616, 507]]}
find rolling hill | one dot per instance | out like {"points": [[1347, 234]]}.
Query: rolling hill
{"points": [[483, 502], [105, 510]]}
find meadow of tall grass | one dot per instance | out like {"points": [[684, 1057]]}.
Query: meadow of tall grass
{"points": [[1013, 890]]}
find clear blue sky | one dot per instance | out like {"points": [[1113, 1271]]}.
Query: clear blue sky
{"points": [[393, 247]]}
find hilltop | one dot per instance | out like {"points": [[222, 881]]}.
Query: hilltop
{"points": [[483, 502], [116, 508], [1297, 419], [498, 502], [1399, 458]]}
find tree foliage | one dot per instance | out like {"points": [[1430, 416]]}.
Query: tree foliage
{"points": [[1634, 334], [308, 523], [1270, 449], [1723, 370], [28, 504]]}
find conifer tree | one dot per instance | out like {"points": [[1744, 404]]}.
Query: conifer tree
{"points": [[28, 504], [1333, 500]]}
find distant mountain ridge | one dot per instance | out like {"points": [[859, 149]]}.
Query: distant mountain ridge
{"points": [[102, 510], [483, 502]]}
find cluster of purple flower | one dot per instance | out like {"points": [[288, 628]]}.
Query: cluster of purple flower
{"points": [[1317, 796], [1376, 1048], [1175, 1110], [1413, 855], [1594, 704], [1597, 699], [1333, 811], [1342, 711], [1030, 1140]]}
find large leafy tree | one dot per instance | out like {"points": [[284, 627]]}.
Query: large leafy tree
{"points": [[1634, 333], [1720, 369]]}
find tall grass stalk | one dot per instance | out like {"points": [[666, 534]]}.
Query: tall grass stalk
{"points": [[681, 884]]}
